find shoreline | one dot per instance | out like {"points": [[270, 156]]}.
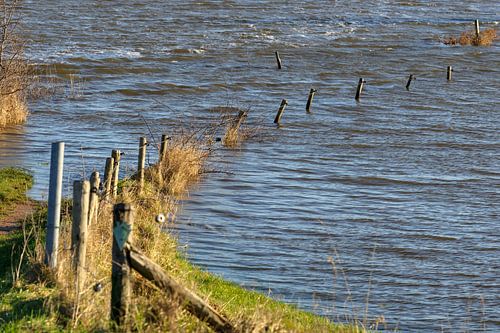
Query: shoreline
{"points": [[249, 310]]}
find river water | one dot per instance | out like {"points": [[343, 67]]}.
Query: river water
{"points": [[383, 207]]}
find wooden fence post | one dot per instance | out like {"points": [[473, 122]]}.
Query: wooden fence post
{"points": [[143, 142], [123, 220], [116, 171], [284, 103], [81, 195], [239, 119], [476, 24], [163, 148], [278, 59], [54, 213], [108, 176], [410, 78], [310, 99], [361, 83], [95, 182]]}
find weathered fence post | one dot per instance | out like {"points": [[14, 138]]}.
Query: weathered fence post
{"points": [[81, 196], [410, 78], [54, 213], [310, 99], [116, 171], [95, 182], [277, 119], [163, 148], [476, 24], [108, 176], [278, 59], [143, 142], [123, 220], [239, 119], [448, 73], [361, 83]]}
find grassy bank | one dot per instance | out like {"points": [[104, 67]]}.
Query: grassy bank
{"points": [[48, 301], [13, 186]]}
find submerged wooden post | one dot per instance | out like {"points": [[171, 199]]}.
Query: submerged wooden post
{"points": [[116, 171], [476, 24], [277, 119], [108, 176], [410, 78], [54, 211], [95, 182], [123, 220], [278, 59], [163, 148], [81, 196], [448, 73], [361, 83], [143, 142], [310, 99], [239, 119]]}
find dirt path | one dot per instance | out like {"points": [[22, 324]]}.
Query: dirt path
{"points": [[13, 220]]}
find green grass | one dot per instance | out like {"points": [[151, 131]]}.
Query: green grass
{"points": [[21, 306], [14, 183], [238, 301]]}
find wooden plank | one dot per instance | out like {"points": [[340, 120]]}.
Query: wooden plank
{"points": [[193, 303]]}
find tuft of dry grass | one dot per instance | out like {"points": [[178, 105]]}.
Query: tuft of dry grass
{"points": [[13, 109], [485, 38], [234, 135], [181, 166]]}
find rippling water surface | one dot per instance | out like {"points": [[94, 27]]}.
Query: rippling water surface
{"points": [[390, 202]]}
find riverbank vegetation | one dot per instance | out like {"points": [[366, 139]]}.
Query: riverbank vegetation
{"points": [[15, 72], [13, 186], [485, 38], [44, 300]]}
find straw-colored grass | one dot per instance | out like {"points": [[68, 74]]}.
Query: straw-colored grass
{"points": [[485, 38], [13, 109], [181, 166], [15, 72]]}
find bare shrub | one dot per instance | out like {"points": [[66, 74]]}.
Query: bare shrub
{"points": [[15, 72]]}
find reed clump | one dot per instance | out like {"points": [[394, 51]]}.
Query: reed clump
{"points": [[485, 38], [182, 165], [234, 135], [15, 72]]}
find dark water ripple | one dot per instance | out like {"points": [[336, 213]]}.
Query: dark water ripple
{"points": [[395, 197]]}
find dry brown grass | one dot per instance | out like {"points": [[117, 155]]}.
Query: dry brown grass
{"points": [[13, 109], [182, 165], [485, 38], [234, 135], [15, 72]]}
